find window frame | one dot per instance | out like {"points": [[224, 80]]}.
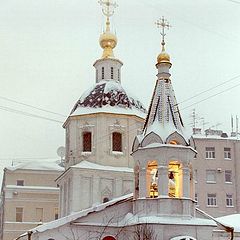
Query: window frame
{"points": [[212, 200], [214, 174], [85, 148], [229, 200], [210, 153], [114, 148], [228, 173], [227, 153], [20, 182], [17, 214]]}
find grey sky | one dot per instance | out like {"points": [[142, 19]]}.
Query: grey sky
{"points": [[48, 48]]}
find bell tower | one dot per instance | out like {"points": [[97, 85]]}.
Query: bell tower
{"points": [[162, 154]]}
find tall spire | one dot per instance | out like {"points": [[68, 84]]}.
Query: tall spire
{"points": [[108, 40], [163, 109]]}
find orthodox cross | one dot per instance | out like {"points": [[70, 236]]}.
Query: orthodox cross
{"points": [[163, 23], [108, 7]]}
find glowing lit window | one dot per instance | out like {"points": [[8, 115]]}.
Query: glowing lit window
{"points": [[153, 175], [87, 142], [173, 142], [116, 142]]}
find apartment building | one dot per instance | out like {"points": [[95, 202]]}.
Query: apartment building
{"points": [[217, 172], [29, 196]]}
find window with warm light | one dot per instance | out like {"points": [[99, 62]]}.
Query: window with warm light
{"points": [[174, 180], [152, 173]]}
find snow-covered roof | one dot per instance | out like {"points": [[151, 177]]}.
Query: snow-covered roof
{"points": [[43, 164], [108, 96], [89, 165], [72, 217], [232, 220], [201, 136]]}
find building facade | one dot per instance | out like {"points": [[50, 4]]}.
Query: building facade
{"points": [[216, 169], [29, 196]]}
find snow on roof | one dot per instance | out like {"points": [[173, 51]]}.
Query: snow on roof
{"points": [[232, 220], [108, 96], [74, 216], [201, 136], [165, 131], [13, 187], [131, 219], [43, 164], [89, 165]]}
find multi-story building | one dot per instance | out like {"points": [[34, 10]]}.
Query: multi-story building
{"points": [[29, 196], [216, 169]]}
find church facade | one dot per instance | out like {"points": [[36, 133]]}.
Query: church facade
{"points": [[162, 204]]}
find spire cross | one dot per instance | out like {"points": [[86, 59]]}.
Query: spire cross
{"points": [[108, 7], [163, 23]]}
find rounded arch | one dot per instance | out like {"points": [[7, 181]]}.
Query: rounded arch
{"points": [[109, 238], [151, 138], [176, 139]]}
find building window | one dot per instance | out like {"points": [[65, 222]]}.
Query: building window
{"points": [[55, 213], [211, 199], [19, 214], [210, 152], [229, 200], [116, 142], [227, 153], [102, 72], [211, 176], [111, 72], [39, 214], [20, 182], [87, 142], [228, 176]]}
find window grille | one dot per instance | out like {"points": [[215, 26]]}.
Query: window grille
{"points": [[87, 142], [117, 142]]}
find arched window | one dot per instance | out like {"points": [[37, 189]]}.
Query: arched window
{"points": [[111, 72], [174, 179], [109, 238], [152, 175], [102, 72], [116, 142], [87, 142]]}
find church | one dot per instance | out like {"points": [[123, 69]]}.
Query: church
{"points": [[101, 197]]}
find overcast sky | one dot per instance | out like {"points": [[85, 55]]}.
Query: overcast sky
{"points": [[47, 48]]}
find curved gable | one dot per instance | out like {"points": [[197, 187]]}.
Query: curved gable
{"points": [[178, 138], [151, 138]]}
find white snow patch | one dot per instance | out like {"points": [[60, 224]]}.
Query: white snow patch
{"points": [[232, 220], [44, 164], [89, 165]]}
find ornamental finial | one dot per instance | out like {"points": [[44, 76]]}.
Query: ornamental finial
{"points": [[108, 7], [163, 23]]}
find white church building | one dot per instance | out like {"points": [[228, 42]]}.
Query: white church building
{"points": [[100, 197]]}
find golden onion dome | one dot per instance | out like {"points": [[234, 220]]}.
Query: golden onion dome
{"points": [[107, 41], [163, 57]]}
